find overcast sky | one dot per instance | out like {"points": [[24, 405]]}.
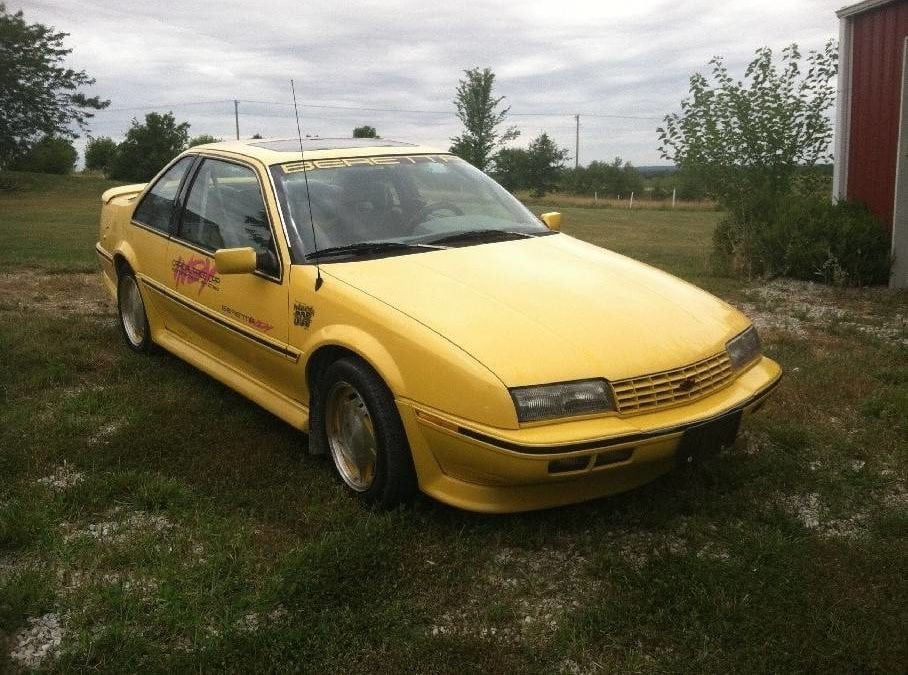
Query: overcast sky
{"points": [[552, 59]]}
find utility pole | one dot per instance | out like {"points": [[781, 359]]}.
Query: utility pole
{"points": [[236, 116], [577, 142]]}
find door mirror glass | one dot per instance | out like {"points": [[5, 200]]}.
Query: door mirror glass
{"points": [[235, 260]]}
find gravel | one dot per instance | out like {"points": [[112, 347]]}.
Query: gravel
{"points": [[41, 640]]}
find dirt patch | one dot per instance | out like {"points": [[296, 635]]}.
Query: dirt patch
{"points": [[63, 477], [119, 531], [106, 432], [42, 639], [812, 513], [74, 580], [521, 596], [67, 293], [797, 307]]}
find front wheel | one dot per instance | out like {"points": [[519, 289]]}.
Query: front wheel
{"points": [[131, 311], [364, 434]]}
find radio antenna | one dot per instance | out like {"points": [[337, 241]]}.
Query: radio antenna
{"points": [[299, 134]]}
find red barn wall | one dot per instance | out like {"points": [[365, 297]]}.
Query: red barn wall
{"points": [[876, 92]]}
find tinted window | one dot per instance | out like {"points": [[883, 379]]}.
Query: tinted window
{"points": [[225, 210], [157, 206]]}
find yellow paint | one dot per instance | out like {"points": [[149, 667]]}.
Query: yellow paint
{"points": [[235, 260], [449, 331], [552, 219]]}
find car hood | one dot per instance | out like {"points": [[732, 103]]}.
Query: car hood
{"points": [[551, 308]]}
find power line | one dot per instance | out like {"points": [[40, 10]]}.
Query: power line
{"points": [[415, 111], [165, 105]]}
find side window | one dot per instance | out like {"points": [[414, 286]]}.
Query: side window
{"points": [[157, 205], [225, 210]]}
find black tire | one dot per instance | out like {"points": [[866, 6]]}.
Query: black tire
{"points": [[394, 478], [135, 331]]}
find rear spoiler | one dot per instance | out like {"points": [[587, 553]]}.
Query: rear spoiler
{"points": [[122, 191]]}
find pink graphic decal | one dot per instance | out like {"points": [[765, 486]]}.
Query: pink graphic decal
{"points": [[199, 271]]}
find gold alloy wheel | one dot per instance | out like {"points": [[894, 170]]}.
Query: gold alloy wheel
{"points": [[132, 311], [351, 436]]}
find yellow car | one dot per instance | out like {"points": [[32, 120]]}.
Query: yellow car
{"points": [[424, 328]]}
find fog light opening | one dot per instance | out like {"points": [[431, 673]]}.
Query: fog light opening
{"points": [[613, 456], [568, 464]]}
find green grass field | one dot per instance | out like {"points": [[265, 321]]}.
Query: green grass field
{"points": [[152, 520]]}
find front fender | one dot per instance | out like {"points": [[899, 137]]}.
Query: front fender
{"points": [[418, 364]]}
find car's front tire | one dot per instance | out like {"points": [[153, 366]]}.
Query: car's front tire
{"points": [[364, 435], [131, 312]]}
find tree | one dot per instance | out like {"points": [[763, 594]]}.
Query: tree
{"points": [[511, 168], [365, 131], [202, 139], [745, 141], [544, 163], [481, 116], [148, 147], [256, 136], [52, 154], [39, 97], [99, 153]]}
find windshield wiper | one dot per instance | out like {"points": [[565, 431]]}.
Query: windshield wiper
{"points": [[369, 247], [470, 235]]}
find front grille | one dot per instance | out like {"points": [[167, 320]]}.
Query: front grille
{"points": [[636, 394]]}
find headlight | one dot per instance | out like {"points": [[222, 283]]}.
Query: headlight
{"points": [[565, 399], [744, 348]]}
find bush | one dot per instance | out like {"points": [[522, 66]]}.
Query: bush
{"points": [[99, 153], [813, 239], [148, 147], [203, 139], [51, 154]]}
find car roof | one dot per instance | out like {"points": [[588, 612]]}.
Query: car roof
{"points": [[279, 150]]}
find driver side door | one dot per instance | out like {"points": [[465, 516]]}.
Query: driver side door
{"points": [[240, 320]]}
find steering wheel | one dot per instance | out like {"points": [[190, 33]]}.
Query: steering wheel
{"points": [[422, 212]]}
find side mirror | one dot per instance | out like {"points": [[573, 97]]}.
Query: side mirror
{"points": [[235, 260], [552, 219]]}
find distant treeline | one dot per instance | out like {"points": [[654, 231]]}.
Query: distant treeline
{"points": [[618, 179]]}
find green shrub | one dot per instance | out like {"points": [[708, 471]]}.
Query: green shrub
{"points": [[100, 153], [809, 238], [51, 154]]}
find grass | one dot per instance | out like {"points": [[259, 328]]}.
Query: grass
{"points": [[171, 525], [593, 202]]}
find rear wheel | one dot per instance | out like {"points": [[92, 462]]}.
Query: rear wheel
{"points": [[131, 311], [364, 435]]}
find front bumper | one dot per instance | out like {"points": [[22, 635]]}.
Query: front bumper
{"points": [[500, 471]]}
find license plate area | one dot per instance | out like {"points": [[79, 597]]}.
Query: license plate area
{"points": [[703, 440]]}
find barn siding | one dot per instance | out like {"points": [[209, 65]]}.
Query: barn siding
{"points": [[876, 80]]}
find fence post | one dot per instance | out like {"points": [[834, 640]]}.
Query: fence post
{"points": [[236, 117], [630, 202], [596, 197], [673, 197]]}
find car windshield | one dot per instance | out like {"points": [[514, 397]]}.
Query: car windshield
{"points": [[372, 206]]}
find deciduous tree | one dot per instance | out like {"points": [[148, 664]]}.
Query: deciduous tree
{"points": [[202, 139], [100, 153], [544, 163], [148, 147], [746, 140], [482, 115], [365, 131], [52, 154], [39, 96]]}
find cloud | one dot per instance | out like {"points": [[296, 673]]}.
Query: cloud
{"points": [[618, 58]]}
